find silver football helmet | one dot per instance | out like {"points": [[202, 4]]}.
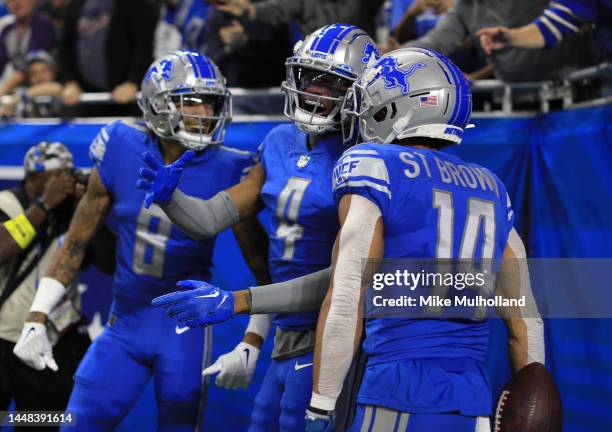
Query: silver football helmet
{"points": [[332, 57], [409, 92], [184, 97]]}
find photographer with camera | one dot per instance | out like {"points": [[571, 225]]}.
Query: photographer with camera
{"points": [[33, 218]]}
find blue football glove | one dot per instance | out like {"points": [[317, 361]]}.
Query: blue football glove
{"points": [[160, 180], [203, 304], [316, 422]]}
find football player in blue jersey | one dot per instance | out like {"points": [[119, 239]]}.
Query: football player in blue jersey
{"points": [[400, 197], [292, 182], [186, 106]]}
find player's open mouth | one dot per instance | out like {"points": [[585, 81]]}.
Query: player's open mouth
{"points": [[315, 106]]}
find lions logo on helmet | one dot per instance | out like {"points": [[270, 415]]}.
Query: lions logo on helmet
{"points": [[320, 72], [394, 77], [184, 97], [409, 92], [369, 50]]}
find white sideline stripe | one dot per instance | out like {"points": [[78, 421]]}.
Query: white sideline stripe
{"points": [[11, 173]]}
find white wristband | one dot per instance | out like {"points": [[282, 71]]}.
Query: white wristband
{"points": [[260, 325], [321, 402], [48, 294]]}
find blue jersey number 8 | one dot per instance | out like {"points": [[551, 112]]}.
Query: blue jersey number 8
{"points": [[152, 231]]}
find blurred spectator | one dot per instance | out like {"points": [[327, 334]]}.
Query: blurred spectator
{"points": [[466, 17], [420, 18], [559, 19], [31, 30], [40, 97], [33, 219], [56, 10], [167, 37], [107, 45], [398, 9], [41, 75], [308, 14], [250, 53], [189, 17]]}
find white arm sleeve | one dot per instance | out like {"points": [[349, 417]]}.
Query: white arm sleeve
{"points": [[259, 324], [535, 326], [341, 324]]}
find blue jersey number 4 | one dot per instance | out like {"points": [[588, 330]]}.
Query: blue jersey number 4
{"points": [[287, 212]]}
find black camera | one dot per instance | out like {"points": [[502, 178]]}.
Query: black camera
{"points": [[81, 177]]}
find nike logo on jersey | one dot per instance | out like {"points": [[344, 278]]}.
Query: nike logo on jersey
{"points": [[213, 295], [298, 366], [181, 330]]}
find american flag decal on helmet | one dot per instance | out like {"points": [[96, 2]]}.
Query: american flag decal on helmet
{"points": [[428, 101]]}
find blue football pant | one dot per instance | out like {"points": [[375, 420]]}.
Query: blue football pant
{"points": [[284, 396], [138, 343], [380, 419]]}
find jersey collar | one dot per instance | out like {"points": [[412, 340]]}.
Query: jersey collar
{"points": [[330, 143]]}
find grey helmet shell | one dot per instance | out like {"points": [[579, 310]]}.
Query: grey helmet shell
{"points": [[409, 92], [339, 49], [177, 75]]}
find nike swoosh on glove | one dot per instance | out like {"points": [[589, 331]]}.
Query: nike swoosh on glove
{"points": [[33, 347], [159, 180], [201, 305], [235, 368]]}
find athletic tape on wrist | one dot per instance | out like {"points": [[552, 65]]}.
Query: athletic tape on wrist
{"points": [[48, 294], [323, 403]]}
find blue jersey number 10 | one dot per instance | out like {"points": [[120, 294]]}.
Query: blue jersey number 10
{"points": [[479, 211], [480, 217]]}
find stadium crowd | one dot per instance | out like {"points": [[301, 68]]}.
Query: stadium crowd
{"points": [[52, 51]]}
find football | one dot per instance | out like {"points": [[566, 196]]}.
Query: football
{"points": [[530, 402]]}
